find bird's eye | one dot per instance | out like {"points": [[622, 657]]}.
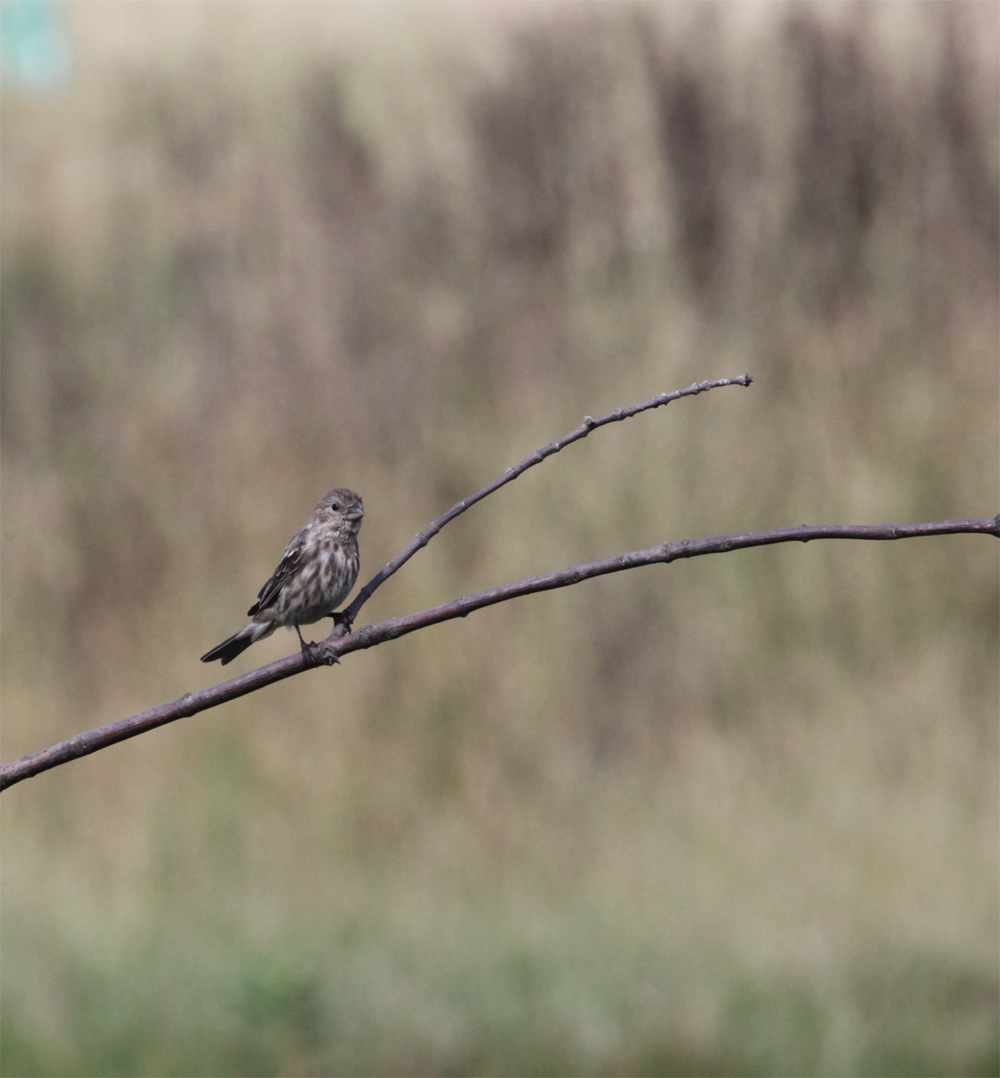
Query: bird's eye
{"points": [[335, 505]]}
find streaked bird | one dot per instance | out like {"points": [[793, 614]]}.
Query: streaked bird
{"points": [[315, 574]]}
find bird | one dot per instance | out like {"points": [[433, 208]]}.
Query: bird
{"points": [[315, 574]]}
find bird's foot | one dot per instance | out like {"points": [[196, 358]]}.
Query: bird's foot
{"points": [[341, 617], [310, 651]]}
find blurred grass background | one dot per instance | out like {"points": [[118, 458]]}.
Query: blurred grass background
{"points": [[735, 815]]}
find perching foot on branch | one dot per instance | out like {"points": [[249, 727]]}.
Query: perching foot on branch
{"points": [[310, 651]]}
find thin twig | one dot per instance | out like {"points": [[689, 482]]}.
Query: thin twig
{"points": [[331, 649], [423, 538], [190, 704]]}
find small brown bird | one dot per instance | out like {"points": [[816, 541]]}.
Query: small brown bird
{"points": [[315, 574]]}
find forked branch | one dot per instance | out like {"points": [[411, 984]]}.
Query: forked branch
{"points": [[342, 642]]}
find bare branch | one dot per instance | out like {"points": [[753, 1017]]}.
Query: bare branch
{"points": [[191, 703], [423, 538], [331, 649]]}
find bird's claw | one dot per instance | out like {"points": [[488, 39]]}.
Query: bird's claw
{"points": [[341, 617], [310, 652]]}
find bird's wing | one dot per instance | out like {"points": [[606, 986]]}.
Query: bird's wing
{"points": [[286, 569]]}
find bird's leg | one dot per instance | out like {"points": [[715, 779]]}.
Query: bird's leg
{"points": [[308, 650]]}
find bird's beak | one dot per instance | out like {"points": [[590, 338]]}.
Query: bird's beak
{"points": [[354, 513]]}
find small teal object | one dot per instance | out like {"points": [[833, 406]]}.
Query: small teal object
{"points": [[34, 43]]}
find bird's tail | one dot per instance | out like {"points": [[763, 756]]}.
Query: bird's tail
{"points": [[238, 643]]}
